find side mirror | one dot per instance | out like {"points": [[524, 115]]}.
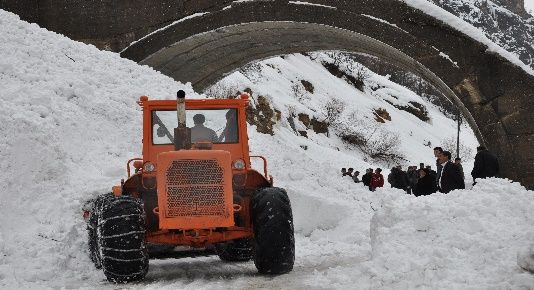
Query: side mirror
{"points": [[160, 132]]}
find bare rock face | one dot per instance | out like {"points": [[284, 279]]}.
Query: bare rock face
{"points": [[512, 31], [382, 115], [516, 6], [263, 116]]}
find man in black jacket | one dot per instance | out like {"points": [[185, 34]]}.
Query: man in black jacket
{"points": [[426, 184], [450, 177], [437, 152], [486, 164], [366, 178], [400, 178]]}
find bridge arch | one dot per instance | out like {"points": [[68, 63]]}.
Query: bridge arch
{"points": [[495, 96]]}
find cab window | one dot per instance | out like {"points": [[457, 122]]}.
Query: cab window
{"points": [[218, 126]]}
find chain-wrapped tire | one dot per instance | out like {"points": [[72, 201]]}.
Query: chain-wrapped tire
{"points": [[274, 241], [92, 224], [121, 239], [93, 248], [239, 250]]}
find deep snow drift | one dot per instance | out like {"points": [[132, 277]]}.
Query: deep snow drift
{"points": [[69, 122]]}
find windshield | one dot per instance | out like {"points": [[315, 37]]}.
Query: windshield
{"points": [[213, 125]]}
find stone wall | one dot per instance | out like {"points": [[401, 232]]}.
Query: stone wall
{"points": [[26, 9], [516, 6], [108, 24]]}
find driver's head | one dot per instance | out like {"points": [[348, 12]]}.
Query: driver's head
{"points": [[199, 119]]}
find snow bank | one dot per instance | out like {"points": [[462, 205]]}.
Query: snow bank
{"points": [[68, 123], [471, 237]]}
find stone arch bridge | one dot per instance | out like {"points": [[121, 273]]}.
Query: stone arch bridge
{"points": [[201, 41]]}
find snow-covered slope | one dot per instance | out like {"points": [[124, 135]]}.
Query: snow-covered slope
{"points": [[280, 81], [69, 122]]}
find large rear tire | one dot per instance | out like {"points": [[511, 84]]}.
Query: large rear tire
{"points": [[121, 239], [239, 250], [274, 241]]}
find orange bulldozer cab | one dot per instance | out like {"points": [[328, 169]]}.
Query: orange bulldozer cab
{"points": [[194, 177]]}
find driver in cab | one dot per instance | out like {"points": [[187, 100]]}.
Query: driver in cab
{"points": [[199, 132]]}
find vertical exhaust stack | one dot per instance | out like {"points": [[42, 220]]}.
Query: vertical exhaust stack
{"points": [[180, 108], [182, 134]]}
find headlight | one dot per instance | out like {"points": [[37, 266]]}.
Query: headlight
{"points": [[148, 167], [239, 164]]}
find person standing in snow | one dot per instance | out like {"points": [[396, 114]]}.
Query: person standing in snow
{"points": [[366, 178], [402, 179], [391, 177], [437, 152], [350, 172], [398, 178], [486, 164], [355, 177], [377, 180], [413, 177], [343, 171], [458, 162], [426, 184], [450, 177], [432, 172]]}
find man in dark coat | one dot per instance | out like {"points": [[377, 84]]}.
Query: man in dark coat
{"points": [[355, 177], [486, 164], [437, 152], [400, 178], [458, 162], [450, 177], [426, 184], [432, 172], [391, 177], [413, 177], [366, 178]]}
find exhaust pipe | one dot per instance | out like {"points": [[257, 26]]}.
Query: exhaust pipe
{"points": [[182, 134], [180, 108]]}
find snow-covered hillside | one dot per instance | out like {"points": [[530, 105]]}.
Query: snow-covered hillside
{"points": [[280, 80], [69, 122]]}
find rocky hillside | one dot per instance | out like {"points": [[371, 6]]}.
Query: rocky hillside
{"points": [[506, 22]]}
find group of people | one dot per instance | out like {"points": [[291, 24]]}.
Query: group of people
{"points": [[370, 179], [424, 180]]}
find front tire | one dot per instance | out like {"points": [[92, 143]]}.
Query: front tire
{"points": [[121, 239], [274, 241]]}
